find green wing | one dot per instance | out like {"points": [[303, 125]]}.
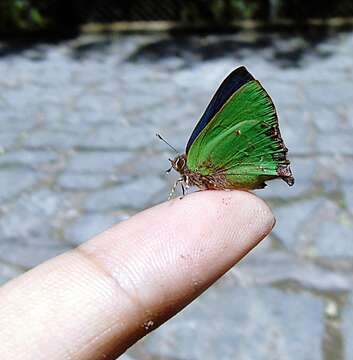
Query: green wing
{"points": [[242, 144]]}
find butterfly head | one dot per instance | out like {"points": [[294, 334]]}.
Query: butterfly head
{"points": [[179, 163]]}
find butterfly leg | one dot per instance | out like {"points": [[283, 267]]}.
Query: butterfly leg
{"points": [[172, 191], [185, 185], [182, 189]]}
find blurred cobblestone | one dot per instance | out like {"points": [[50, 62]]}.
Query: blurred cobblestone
{"points": [[14, 181], [89, 225], [279, 268], [293, 220], [261, 324], [78, 153], [348, 329]]}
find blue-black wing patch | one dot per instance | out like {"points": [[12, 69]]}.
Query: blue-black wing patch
{"points": [[235, 80]]}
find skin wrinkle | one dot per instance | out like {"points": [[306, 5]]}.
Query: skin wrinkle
{"points": [[101, 268], [103, 255], [116, 345], [146, 314], [135, 267]]}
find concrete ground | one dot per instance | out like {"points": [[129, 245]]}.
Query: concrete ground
{"points": [[78, 153]]}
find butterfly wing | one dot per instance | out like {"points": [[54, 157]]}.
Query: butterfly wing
{"points": [[241, 146], [234, 81]]}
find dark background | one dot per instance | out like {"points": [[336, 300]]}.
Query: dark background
{"points": [[23, 16]]}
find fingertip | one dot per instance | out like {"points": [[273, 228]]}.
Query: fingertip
{"points": [[214, 229], [228, 209]]}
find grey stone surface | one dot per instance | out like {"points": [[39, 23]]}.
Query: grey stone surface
{"points": [[335, 94], [50, 139], [335, 144], [134, 195], [339, 118], [292, 221], [7, 140], [244, 324], [332, 232], [119, 137], [316, 227], [348, 197], [27, 256], [89, 225], [334, 169], [299, 135], [97, 162], [29, 158], [81, 182], [348, 329], [281, 268], [78, 153], [25, 218], [14, 181]]}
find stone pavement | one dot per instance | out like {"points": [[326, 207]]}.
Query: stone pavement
{"points": [[78, 153]]}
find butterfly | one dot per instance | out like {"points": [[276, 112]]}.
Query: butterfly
{"points": [[237, 143]]}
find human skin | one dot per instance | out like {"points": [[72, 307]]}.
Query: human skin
{"points": [[97, 300]]}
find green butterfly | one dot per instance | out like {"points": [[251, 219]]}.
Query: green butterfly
{"points": [[237, 143]]}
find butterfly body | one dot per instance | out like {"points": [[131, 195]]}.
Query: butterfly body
{"points": [[194, 178], [237, 142]]}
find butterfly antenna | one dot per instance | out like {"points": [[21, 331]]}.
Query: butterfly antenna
{"points": [[172, 147]]}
